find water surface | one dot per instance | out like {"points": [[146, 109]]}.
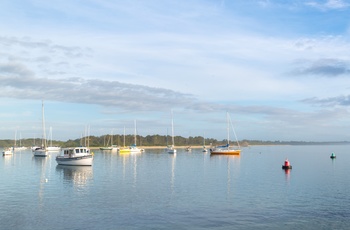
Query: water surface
{"points": [[189, 190]]}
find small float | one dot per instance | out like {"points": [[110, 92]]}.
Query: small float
{"points": [[286, 165], [332, 156]]}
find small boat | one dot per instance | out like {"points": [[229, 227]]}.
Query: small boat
{"points": [[7, 151], [41, 152], [226, 149], [333, 156], [188, 149], [106, 148], [79, 156], [171, 148]]}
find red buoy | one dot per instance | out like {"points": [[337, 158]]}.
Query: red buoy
{"points": [[286, 165]]}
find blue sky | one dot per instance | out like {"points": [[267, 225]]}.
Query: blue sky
{"points": [[281, 68]]}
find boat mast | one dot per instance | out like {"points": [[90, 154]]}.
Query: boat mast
{"points": [[135, 132], [43, 142], [228, 130], [172, 128], [124, 136], [234, 132]]}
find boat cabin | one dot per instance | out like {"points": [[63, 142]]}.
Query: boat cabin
{"points": [[79, 151]]}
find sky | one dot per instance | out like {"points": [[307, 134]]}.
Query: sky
{"points": [[281, 69]]}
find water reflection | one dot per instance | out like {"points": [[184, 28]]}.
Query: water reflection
{"points": [[172, 180], [232, 167], [41, 164], [77, 175], [7, 159]]}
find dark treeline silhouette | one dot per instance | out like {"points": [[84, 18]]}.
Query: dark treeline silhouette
{"points": [[108, 140], [153, 140]]}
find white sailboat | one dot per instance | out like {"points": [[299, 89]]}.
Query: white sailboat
{"points": [[204, 148], [52, 148], [124, 149], [42, 151], [9, 151], [20, 147], [226, 149], [134, 148], [171, 149]]}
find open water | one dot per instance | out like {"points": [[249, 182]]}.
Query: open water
{"points": [[189, 190]]}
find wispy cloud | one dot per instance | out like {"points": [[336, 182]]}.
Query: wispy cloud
{"points": [[93, 91], [326, 67], [343, 100], [329, 4]]}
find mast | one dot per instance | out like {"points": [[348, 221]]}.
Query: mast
{"points": [[43, 141], [172, 128], [135, 132], [124, 136], [228, 129]]}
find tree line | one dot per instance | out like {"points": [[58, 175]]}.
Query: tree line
{"points": [[108, 140], [152, 140]]}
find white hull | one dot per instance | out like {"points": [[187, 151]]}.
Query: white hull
{"points": [[53, 148], [41, 153], [76, 161], [171, 150], [7, 152], [20, 148], [135, 150]]}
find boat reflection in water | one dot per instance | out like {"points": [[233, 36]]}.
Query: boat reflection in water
{"points": [[77, 175]]}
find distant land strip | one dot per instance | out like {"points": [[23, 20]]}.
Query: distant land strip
{"points": [[153, 141]]}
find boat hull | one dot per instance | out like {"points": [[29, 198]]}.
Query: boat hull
{"points": [[76, 161], [40, 153], [236, 152], [7, 153]]}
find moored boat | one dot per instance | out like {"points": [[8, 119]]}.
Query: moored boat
{"points": [[227, 149], [42, 151], [171, 149], [79, 156], [7, 152]]}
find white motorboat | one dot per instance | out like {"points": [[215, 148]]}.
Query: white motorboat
{"points": [[7, 152], [79, 156]]}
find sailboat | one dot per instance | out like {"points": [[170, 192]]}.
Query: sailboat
{"points": [[171, 149], [124, 149], [9, 151], [226, 149], [52, 148], [204, 148], [133, 147], [105, 147], [42, 151]]}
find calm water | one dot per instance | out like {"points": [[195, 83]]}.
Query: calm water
{"points": [[156, 190]]}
